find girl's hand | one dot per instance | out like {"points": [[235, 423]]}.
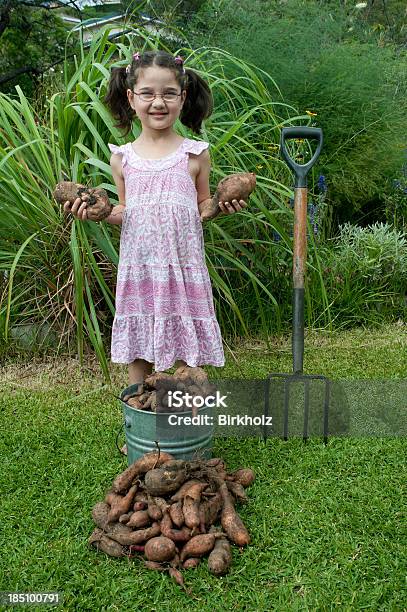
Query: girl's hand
{"points": [[230, 207], [78, 208]]}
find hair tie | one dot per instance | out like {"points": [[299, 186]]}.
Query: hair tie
{"points": [[180, 61]]}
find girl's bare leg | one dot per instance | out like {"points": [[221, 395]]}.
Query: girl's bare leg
{"points": [[179, 363], [139, 370]]}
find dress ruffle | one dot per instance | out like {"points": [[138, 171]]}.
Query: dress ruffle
{"points": [[163, 341]]}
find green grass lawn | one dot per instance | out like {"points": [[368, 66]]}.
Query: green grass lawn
{"points": [[327, 522]]}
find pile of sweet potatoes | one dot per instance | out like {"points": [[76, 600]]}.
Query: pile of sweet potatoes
{"points": [[172, 512], [157, 388]]}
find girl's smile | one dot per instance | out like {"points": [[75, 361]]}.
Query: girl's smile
{"points": [[157, 112]]}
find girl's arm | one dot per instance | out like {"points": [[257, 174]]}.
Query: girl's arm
{"points": [[116, 216], [202, 179]]}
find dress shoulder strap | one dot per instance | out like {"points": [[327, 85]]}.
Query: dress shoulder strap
{"points": [[195, 146], [121, 150]]}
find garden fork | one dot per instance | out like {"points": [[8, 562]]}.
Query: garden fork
{"points": [[281, 389]]}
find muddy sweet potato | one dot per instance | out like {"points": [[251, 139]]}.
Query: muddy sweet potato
{"points": [[195, 375], [180, 494], [139, 505], [176, 514], [176, 535], [210, 509], [191, 563], [176, 576], [98, 206], [139, 519], [244, 476], [190, 508], [101, 541], [100, 513], [126, 536], [154, 511], [154, 565], [135, 402], [234, 187], [199, 545], [125, 518], [237, 491], [167, 479], [158, 377], [220, 558], [142, 465], [231, 521], [120, 504], [160, 549]]}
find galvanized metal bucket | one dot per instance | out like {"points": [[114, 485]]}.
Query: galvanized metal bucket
{"points": [[145, 429]]}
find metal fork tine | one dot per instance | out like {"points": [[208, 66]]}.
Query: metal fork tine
{"points": [[306, 409], [326, 409], [286, 404]]}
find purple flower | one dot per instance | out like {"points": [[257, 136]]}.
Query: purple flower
{"points": [[322, 184]]}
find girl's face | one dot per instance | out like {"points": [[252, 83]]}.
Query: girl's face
{"points": [[157, 114]]}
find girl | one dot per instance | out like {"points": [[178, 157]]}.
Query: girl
{"points": [[164, 304]]}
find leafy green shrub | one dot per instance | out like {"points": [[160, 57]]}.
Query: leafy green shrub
{"points": [[396, 201], [357, 89], [366, 274]]}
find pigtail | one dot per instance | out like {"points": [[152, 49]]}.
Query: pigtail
{"points": [[116, 99], [198, 104]]}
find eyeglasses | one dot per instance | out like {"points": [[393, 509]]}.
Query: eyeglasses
{"points": [[149, 97]]}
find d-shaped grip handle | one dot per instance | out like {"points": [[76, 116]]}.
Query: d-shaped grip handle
{"points": [[300, 170]]}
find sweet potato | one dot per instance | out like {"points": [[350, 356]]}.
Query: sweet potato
{"points": [[125, 518], [199, 545], [162, 481], [139, 519], [126, 536], [237, 490], [210, 509], [120, 533], [100, 513], [220, 558], [231, 521], [135, 402], [98, 206], [180, 494], [234, 187], [102, 542], [196, 375], [176, 535], [215, 462], [176, 514], [139, 505], [244, 476], [160, 549], [142, 465], [154, 565], [158, 377], [161, 503], [121, 504], [191, 563], [190, 508], [176, 576], [154, 511]]}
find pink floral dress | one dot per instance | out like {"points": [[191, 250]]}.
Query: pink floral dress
{"points": [[164, 303]]}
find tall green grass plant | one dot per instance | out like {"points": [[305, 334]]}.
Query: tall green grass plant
{"points": [[62, 271]]}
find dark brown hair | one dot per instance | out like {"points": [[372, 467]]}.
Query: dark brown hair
{"points": [[198, 104]]}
